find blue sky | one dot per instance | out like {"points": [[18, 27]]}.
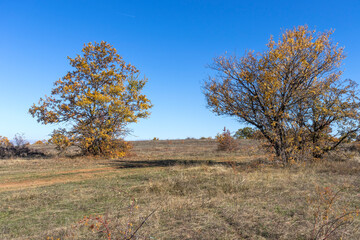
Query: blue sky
{"points": [[170, 42]]}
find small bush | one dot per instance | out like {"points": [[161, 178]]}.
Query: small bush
{"points": [[39, 142], [60, 140], [4, 142], [14, 151], [106, 147], [329, 222], [117, 148], [18, 152], [20, 141], [19, 149], [226, 142], [205, 138]]}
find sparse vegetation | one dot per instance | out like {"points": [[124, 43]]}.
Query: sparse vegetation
{"points": [[18, 149], [225, 141], [199, 193], [20, 141], [103, 227], [330, 220], [231, 187]]}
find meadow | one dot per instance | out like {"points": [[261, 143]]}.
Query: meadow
{"points": [[178, 189]]}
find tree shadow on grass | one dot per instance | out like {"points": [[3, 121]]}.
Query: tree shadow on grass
{"points": [[178, 162]]}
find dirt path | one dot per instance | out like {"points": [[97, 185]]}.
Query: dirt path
{"points": [[78, 175]]}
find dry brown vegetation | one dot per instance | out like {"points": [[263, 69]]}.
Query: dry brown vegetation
{"points": [[196, 191]]}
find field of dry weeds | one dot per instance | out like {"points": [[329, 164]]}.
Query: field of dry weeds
{"points": [[186, 188]]}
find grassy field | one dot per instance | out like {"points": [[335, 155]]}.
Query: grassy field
{"points": [[191, 191]]}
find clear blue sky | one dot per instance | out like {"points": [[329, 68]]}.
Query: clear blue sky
{"points": [[169, 41]]}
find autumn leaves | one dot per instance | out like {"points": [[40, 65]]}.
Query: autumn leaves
{"points": [[292, 94], [98, 99]]}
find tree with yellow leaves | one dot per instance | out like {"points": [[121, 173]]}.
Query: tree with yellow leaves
{"points": [[97, 99], [292, 93], [5, 142]]}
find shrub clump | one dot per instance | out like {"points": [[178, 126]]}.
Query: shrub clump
{"points": [[20, 149], [226, 142]]}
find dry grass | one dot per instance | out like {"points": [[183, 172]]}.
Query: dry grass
{"points": [[199, 193]]}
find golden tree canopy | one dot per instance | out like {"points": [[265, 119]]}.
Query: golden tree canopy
{"points": [[292, 92], [98, 98]]}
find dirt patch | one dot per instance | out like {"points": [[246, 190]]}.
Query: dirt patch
{"points": [[87, 170], [79, 175]]}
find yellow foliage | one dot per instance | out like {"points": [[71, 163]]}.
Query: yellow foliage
{"points": [[4, 142], [60, 140], [292, 93], [99, 98], [225, 141]]}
